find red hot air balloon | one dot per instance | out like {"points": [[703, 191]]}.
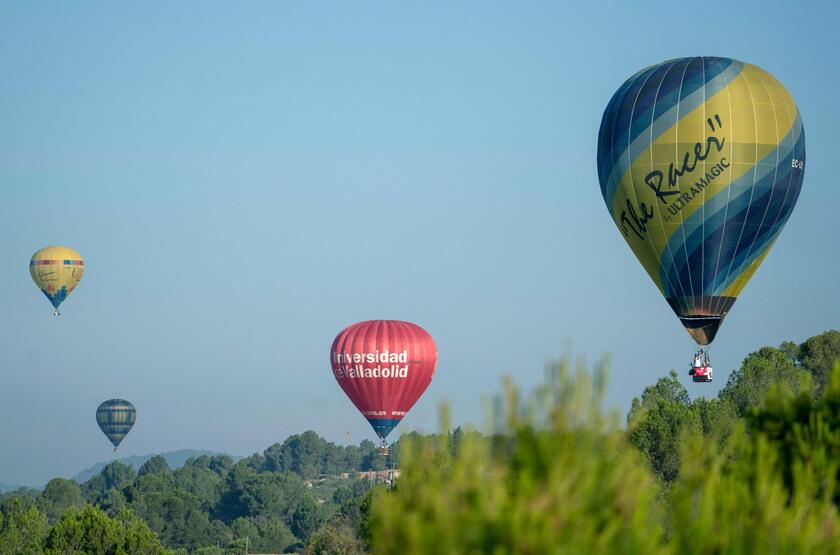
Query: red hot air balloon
{"points": [[384, 366]]}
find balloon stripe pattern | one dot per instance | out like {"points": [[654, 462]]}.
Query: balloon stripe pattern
{"points": [[701, 161], [383, 366], [116, 417], [56, 271]]}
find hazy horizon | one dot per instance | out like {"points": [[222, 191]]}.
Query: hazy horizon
{"points": [[244, 181]]}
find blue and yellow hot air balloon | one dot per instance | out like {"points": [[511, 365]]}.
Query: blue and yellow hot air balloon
{"points": [[56, 271], [701, 161], [116, 418]]}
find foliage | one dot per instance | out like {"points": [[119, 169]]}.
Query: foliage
{"points": [[306, 518], [659, 423], [566, 481], [805, 433], [155, 465], [818, 355], [774, 487], [753, 470], [174, 515], [264, 535], [58, 496], [22, 529], [335, 538], [558, 480], [211, 502], [90, 530], [761, 370]]}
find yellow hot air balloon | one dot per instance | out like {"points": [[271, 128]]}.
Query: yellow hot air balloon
{"points": [[701, 161], [56, 271]]}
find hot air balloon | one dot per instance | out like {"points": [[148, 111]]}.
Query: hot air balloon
{"points": [[383, 366], [56, 271], [116, 418], [701, 162]]}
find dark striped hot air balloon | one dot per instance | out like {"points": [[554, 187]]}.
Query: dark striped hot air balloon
{"points": [[701, 161], [383, 366], [116, 418]]}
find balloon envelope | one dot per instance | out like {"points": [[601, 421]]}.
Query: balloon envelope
{"points": [[116, 418], [383, 366], [56, 271], [701, 161]]}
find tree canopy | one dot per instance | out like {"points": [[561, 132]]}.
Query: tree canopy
{"points": [[752, 470]]}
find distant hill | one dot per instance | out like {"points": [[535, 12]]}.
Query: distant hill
{"points": [[4, 487], [176, 459]]}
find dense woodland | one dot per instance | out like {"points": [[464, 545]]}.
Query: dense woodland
{"points": [[754, 470], [272, 501]]}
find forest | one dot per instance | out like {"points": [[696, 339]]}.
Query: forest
{"points": [[752, 470]]}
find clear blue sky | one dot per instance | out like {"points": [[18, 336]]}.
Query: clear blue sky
{"points": [[245, 179]]}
